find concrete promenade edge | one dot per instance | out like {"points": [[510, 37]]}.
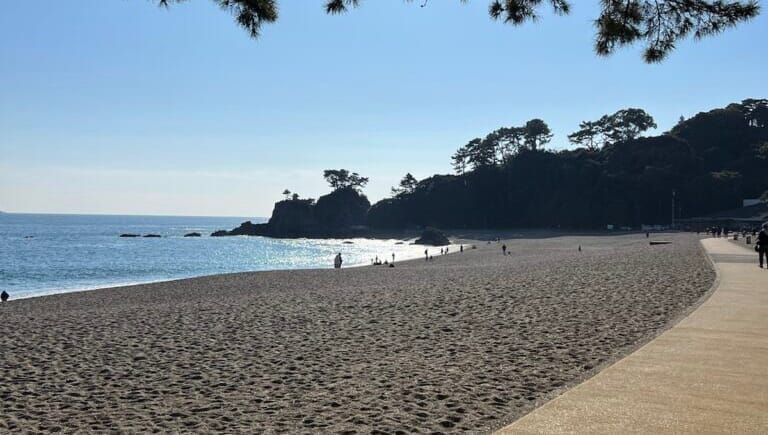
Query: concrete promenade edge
{"points": [[707, 374]]}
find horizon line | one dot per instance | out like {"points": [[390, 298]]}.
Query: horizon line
{"points": [[124, 214]]}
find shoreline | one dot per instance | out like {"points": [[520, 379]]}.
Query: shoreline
{"points": [[466, 342], [111, 286]]}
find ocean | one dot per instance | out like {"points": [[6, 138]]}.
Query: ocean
{"points": [[44, 254]]}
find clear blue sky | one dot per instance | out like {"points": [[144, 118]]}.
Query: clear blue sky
{"points": [[118, 106]]}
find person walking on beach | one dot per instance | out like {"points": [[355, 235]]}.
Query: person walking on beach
{"points": [[337, 261], [4, 295], [504, 249], [762, 245], [426, 254]]}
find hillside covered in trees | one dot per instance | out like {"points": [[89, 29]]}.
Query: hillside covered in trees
{"points": [[509, 179]]}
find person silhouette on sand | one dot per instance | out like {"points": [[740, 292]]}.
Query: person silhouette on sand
{"points": [[337, 261], [762, 244], [4, 296], [504, 249]]}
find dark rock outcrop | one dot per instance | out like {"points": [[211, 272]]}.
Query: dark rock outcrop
{"points": [[342, 209], [152, 236], [129, 235], [342, 213], [433, 237], [192, 235], [293, 218]]}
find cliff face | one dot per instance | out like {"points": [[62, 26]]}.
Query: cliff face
{"points": [[293, 218], [341, 213], [342, 209]]}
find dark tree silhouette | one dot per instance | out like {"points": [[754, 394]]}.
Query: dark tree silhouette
{"points": [[624, 125], [250, 14], [407, 186], [755, 111], [480, 153], [589, 135], [506, 141], [460, 160], [536, 134], [627, 124], [343, 179], [287, 194], [660, 24], [712, 160], [501, 145]]}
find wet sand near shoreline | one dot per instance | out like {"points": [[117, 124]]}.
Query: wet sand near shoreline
{"points": [[466, 342]]}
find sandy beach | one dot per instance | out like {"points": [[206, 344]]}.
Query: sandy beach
{"points": [[465, 343]]}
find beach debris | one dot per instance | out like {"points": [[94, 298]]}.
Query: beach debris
{"points": [[659, 242]]}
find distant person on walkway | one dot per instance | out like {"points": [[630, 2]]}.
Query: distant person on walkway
{"points": [[337, 261], [4, 295], [504, 249], [762, 245]]}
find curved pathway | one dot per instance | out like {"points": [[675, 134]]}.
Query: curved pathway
{"points": [[708, 374]]}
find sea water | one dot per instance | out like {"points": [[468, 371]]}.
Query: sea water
{"points": [[44, 253]]}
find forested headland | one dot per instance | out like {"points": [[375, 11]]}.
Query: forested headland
{"points": [[614, 175], [509, 178]]}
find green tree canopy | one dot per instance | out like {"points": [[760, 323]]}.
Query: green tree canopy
{"points": [[343, 179], [659, 24]]}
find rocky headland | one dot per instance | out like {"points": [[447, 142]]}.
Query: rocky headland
{"points": [[341, 213]]}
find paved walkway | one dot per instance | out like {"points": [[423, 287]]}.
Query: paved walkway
{"points": [[708, 374]]}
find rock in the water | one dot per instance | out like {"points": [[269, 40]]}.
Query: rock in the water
{"points": [[347, 242], [433, 237], [246, 228], [192, 235], [152, 236], [129, 235]]}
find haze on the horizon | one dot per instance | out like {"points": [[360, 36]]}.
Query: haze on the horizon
{"points": [[112, 106]]}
